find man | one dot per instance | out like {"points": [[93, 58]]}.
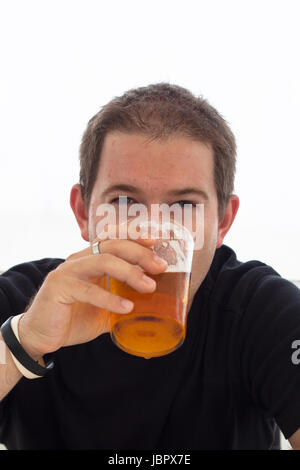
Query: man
{"points": [[232, 379]]}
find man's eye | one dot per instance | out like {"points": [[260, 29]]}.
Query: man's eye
{"points": [[122, 200], [184, 203]]}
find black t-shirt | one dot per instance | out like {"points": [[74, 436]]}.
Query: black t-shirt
{"points": [[226, 387]]}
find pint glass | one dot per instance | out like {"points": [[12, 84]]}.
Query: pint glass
{"points": [[157, 324]]}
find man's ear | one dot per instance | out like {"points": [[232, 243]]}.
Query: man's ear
{"points": [[80, 211], [229, 216]]}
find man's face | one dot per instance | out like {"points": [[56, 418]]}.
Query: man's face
{"points": [[155, 172]]}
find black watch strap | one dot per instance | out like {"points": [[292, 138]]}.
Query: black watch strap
{"points": [[19, 352]]}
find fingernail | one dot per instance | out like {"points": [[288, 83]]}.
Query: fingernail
{"points": [[127, 304], [160, 261], [148, 280]]}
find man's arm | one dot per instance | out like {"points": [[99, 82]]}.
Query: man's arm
{"points": [[9, 374], [46, 325], [270, 327]]}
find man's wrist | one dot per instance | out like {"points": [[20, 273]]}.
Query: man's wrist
{"points": [[27, 340]]}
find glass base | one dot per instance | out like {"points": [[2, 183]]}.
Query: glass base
{"points": [[147, 335], [143, 354]]}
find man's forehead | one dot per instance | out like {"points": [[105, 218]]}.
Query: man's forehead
{"points": [[130, 159]]}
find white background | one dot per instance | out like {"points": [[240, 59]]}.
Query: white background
{"points": [[62, 60]]}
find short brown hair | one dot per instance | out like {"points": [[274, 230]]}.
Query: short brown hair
{"points": [[159, 111]]}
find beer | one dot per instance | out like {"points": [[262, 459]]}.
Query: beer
{"points": [[157, 324]]}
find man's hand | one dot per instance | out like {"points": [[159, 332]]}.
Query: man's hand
{"points": [[53, 321], [295, 440]]}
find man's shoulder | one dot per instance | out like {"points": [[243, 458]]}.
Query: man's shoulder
{"points": [[227, 270], [20, 282], [233, 283], [33, 270]]}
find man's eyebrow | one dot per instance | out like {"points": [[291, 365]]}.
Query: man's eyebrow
{"points": [[121, 187], [184, 191], [176, 192]]}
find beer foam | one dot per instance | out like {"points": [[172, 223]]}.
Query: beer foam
{"points": [[173, 242], [176, 253]]}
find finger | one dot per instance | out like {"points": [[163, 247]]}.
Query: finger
{"points": [[135, 253], [87, 251], [78, 290], [131, 251], [92, 266]]}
